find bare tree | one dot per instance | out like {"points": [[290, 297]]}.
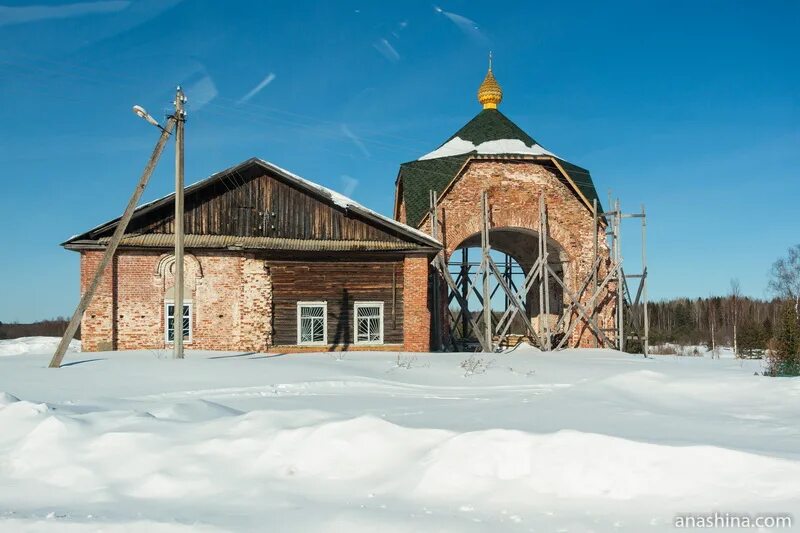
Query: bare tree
{"points": [[736, 293], [712, 318], [785, 278]]}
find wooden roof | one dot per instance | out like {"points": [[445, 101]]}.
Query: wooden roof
{"points": [[259, 205]]}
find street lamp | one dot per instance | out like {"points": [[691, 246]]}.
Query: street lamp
{"points": [[180, 119], [139, 110]]}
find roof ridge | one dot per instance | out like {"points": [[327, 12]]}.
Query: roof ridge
{"points": [[334, 197], [483, 119], [490, 131]]}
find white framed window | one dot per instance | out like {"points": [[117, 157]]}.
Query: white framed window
{"points": [[169, 321], [368, 323], [312, 323]]}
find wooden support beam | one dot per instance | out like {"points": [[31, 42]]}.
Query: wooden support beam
{"points": [[485, 250], [568, 311], [441, 267], [545, 277], [180, 118], [510, 313], [435, 296], [594, 260], [119, 232], [643, 288], [620, 277], [583, 311], [516, 302]]}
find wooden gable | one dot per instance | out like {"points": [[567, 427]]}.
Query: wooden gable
{"points": [[257, 200]]}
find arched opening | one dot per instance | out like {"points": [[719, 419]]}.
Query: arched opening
{"points": [[517, 276]]}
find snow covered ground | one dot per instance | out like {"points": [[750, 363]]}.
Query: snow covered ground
{"points": [[582, 440], [37, 345]]}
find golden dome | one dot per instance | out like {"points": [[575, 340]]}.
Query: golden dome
{"points": [[489, 93]]}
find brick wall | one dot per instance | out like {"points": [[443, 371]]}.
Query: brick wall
{"points": [[417, 316], [97, 326], [255, 293], [514, 188], [230, 296], [232, 302]]}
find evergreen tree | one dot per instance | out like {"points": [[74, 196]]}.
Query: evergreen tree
{"points": [[767, 326], [785, 360], [684, 324], [752, 339]]}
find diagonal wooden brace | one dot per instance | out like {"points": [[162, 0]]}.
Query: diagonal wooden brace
{"points": [[582, 311], [514, 298], [442, 268]]}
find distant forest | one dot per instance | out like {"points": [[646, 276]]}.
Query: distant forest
{"points": [[711, 320], [43, 328]]}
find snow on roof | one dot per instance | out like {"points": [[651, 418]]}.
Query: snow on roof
{"points": [[337, 198], [348, 203], [459, 146]]}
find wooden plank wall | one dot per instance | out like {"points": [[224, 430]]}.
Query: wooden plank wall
{"points": [[252, 203], [341, 284]]}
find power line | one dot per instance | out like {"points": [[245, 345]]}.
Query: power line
{"points": [[242, 114]]}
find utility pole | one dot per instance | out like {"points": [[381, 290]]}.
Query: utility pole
{"points": [[88, 294], [645, 274], [177, 314]]}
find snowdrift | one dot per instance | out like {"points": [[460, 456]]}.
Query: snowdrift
{"points": [[587, 440], [35, 345]]}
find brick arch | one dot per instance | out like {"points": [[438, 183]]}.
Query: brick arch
{"points": [[165, 266], [524, 252], [514, 189], [522, 245]]}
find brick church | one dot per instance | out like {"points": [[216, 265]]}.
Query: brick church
{"points": [[275, 262]]}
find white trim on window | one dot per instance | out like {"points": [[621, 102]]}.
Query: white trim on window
{"points": [[187, 339], [370, 334], [324, 306]]}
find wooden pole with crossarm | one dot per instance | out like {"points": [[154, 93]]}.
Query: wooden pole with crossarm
{"points": [[87, 296]]}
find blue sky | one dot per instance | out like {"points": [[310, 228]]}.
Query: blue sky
{"points": [[692, 108]]}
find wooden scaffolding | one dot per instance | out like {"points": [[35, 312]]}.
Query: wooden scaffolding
{"points": [[460, 282]]}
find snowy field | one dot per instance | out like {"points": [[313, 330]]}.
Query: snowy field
{"points": [[35, 345], [582, 440]]}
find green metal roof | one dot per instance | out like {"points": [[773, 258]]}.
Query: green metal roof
{"points": [[490, 125], [420, 176]]}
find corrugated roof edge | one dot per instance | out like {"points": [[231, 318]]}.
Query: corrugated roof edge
{"points": [[328, 194], [166, 240]]}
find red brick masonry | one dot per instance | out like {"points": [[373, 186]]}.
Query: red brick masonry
{"points": [[231, 298], [514, 188], [417, 321]]}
